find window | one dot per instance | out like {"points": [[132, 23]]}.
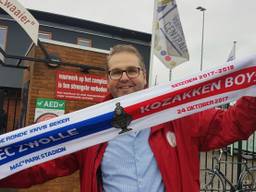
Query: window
{"points": [[45, 35], [3, 38], [84, 42]]}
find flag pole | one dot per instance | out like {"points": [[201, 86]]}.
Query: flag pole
{"points": [[151, 62], [235, 48], [156, 80], [232, 55]]}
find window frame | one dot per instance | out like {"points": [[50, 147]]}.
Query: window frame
{"points": [[5, 41], [5, 38], [84, 39], [47, 33]]}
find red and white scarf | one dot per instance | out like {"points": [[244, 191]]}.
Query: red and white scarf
{"points": [[72, 132]]}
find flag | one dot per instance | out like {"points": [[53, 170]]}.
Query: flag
{"points": [[168, 39], [231, 57], [23, 17], [232, 54]]}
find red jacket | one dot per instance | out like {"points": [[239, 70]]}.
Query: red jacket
{"points": [[179, 165]]}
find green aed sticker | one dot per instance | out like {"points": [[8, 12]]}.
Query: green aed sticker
{"points": [[48, 108], [50, 104]]}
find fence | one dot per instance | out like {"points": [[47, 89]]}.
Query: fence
{"points": [[232, 156]]}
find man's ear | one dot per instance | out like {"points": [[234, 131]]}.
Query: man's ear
{"points": [[108, 79], [145, 79]]}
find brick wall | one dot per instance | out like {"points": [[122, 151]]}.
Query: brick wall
{"points": [[42, 77], [42, 85]]}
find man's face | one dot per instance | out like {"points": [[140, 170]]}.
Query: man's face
{"points": [[125, 85]]}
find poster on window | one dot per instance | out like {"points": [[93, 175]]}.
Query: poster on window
{"points": [[77, 86]]}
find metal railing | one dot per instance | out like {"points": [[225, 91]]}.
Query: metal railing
{"points": [[233, 156]]}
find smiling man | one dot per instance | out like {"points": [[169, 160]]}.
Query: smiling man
{"points": [[126, 71], [157, 159]]}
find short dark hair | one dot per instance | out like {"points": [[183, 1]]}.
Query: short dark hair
{"points": [[129, 49]]}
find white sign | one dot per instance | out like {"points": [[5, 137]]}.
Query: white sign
{"points": [[22, 16]]}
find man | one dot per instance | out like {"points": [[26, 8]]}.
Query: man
{"points": [[162, 158]]}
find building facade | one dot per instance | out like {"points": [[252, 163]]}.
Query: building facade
{"points": [[80, 47]]}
